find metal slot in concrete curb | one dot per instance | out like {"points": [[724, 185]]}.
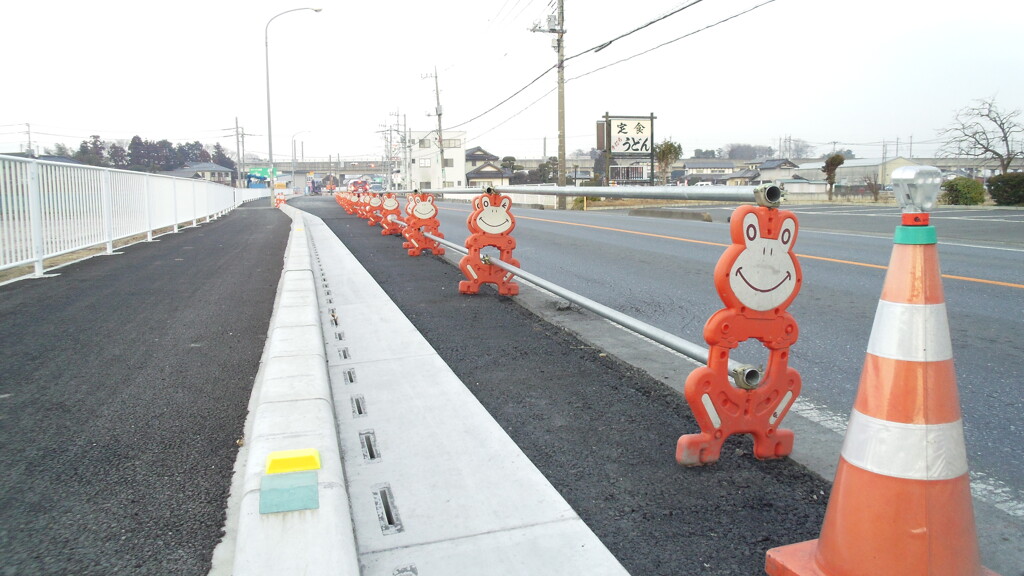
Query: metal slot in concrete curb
{"points": [[291, 408]]}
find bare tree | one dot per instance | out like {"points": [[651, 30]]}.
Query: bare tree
{"points": [[665, 155], [983, 131], [871, 181], [801, 149]]}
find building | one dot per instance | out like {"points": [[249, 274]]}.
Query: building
{"points": [[697, 169], [477, 156], [483, 169], [427, 172], [204, 171], [776, 169], [856, 172], [488, 175]]}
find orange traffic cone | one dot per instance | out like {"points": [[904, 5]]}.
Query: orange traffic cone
{"points": [[901, 499]]}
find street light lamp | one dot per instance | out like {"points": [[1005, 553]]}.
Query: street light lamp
{"points": [[270, 133]]}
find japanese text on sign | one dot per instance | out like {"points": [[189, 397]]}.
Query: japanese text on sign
{"points": [[630, 135]]}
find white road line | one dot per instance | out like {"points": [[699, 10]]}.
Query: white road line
{"points": [[984, 487]]}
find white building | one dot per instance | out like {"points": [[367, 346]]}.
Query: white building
{"points": [[426, 160]]}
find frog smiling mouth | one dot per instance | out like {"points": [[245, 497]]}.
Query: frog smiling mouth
{"points": [[502, 223], [739, 272]]}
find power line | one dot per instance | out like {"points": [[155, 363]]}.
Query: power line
{"points": [[600, 47], [604, 45], [663, 44], [517, 92]]}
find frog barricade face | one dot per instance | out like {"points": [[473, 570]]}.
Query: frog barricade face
{"points": [[425, 208], [764, 275], [495, 218]]}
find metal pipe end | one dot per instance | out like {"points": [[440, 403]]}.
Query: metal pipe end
{"points": [[746, 377], [768, 195]]}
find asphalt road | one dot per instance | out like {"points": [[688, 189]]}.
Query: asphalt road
{"points": [[124, 384], [659, 271]]}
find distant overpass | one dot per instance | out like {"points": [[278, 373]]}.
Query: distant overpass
{"points": [[332, 167]]}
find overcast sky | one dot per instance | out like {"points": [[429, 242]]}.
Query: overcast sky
{"points": [[854, 73]]}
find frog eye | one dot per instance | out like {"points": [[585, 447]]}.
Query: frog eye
{"points": [[750, 227], [787, 233]]}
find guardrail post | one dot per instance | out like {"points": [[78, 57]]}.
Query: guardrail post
{"points": [[490, 224], [35, 212], [757, 277], [148, 208], [195, 206], [106, 200], [174, 203]]}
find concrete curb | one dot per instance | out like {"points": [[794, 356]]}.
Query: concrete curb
{"points": [[671, 213], [292, 408], [415, 473]]}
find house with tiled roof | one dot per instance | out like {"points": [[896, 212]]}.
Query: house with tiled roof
{"points": [[488, 175], [708, 166], [204, 171], [477, 156]]}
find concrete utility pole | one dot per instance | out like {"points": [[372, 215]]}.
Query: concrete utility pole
{"points": [[561, 99], [238, 148], [556, 25], [440, 134]]}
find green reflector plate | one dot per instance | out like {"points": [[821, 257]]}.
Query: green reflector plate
{"points": [[289, 491]]}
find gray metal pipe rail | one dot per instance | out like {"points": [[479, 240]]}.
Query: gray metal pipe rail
{"points": [[765, 195], [745, 376]]}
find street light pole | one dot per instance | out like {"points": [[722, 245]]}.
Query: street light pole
{"points": [[293, 155], [270, 133]]}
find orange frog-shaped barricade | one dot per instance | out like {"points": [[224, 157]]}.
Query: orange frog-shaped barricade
{"points": [[421, 218], [490, 224], [757, 278], [390, 210], [344, 199], [359, 205], [373, 208]]}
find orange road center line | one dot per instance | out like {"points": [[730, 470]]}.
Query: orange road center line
{"points": [[809, 257]]}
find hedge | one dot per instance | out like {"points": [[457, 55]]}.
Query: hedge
{"points": [[1007, 189]]}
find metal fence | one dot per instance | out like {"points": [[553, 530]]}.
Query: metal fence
{"points": [[48, 209]]}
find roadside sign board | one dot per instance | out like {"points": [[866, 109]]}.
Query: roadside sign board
{"points": [[631, 135]]}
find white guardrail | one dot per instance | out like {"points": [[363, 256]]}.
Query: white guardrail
{"points": [[52, 208]]}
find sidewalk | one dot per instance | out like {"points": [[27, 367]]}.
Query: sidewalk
{"points": [[124, 381]]}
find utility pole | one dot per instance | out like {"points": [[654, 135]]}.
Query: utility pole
{"points": [[440, 133], [437, 112], [238, 148], [403, 139], [561, 98], [556, 25]]}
